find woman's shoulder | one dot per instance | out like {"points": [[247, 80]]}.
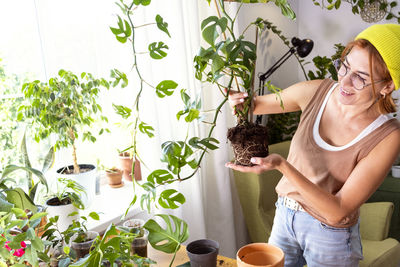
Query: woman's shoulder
{"points": [[309, 89]]}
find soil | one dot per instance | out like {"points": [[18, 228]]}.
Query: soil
{"points": [[70, 169], [56, 202], [248, 141]]}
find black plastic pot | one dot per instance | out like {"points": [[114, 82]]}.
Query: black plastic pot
{"points": [[203, 252]]}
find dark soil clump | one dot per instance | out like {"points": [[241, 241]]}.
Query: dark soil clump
{"points": [[248, 141]]}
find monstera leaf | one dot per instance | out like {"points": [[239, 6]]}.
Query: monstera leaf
{"points": [[169, 239]]}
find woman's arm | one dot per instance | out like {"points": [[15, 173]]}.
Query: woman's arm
{"points": [[294, 98], [361, 184]]}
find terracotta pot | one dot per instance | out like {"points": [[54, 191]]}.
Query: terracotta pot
{"points": [[203, 252], [114, 177], [39, 230], [126, 162], [260, 254]]}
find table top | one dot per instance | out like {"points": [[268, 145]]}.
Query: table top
{"points": [[164, 259]]}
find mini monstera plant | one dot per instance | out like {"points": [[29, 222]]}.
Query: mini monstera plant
{"points": [[229, 63]]}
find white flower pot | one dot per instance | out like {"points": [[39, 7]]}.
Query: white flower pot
{"points": [[86, 179], [396, 171], [63, 212]]}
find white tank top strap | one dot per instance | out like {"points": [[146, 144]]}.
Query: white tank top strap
{"points": [[320, 142]]}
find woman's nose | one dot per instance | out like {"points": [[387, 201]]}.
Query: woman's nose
{"points": [[346, 79]]}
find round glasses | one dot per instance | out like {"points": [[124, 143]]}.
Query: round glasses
{"points": [[357, 81]]}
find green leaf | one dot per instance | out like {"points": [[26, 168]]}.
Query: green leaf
{"points": [[203, 144], [123, 31], [169, 239], [12, 168], [20, 199], [123, 111], [94, 216], [209, 28], [49, 160], [5, 206], [38, 215], [168, 199], [157, 50], [146, 129], [159, 176], [66, 250], [185, 97], [193, 114], [37, 243], [162, 25], [165, 88]]}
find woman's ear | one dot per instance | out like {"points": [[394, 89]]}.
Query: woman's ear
{"points": [[387, 89]]}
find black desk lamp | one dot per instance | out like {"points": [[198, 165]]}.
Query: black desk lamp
{"points": [[302, 47]]}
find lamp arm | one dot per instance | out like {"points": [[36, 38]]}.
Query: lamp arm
{"points": [[263, 77]]}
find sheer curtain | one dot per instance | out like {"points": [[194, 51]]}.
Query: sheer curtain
{"points": [[41, 37]]}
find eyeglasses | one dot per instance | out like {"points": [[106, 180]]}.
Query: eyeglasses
{"points": [[357, 81]]}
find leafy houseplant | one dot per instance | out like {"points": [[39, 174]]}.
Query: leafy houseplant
{"points": [[63, 106], [229, 62], [232, 58], [64, 202], [66, 107], [19, 244]]}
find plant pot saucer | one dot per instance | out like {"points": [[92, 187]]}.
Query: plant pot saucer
{"points": [[117, 185]]}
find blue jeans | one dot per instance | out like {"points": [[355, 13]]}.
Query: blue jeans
{"points": [[305, 240]]}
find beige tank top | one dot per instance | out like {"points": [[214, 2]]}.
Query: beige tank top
{"points": [[326, 168]]}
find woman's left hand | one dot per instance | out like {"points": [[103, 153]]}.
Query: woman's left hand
{"points": [[268, 163]]}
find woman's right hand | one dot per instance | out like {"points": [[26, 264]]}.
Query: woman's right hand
{"points": [[236, 99]]}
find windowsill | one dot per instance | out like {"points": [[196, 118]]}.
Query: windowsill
{"points": [[111, 205]]}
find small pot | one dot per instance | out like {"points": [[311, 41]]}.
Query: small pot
{"points": [[260, 254], [83, 248], [203, 252], [114, 177], [396, 171], [86, 178], [126, 162], [54, 208]]}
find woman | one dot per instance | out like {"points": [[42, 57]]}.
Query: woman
{"points": [[343, 148]]}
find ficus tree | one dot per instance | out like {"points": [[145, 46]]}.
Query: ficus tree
{"points": [[65, 107]]}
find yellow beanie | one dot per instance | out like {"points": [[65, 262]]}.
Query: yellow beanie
{"points": [[386, 39]]}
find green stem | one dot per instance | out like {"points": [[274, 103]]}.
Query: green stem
{"points": [[173, 258]]}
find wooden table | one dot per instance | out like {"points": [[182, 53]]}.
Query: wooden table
{"points": [[164, 259]]}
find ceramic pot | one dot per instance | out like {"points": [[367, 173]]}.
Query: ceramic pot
{"points": [[83, 248], [126, 162], [260, 254], [203, 252], [86, 179], [63, 211], [114, 177]]}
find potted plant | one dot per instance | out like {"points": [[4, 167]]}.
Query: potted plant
{"points": [[18, 243], [65, 202], [129, 166], [230, 58], [66, 107], [114, 177], [68, 246]]}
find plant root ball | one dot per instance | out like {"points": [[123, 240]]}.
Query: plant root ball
{"points": [[248, 141]]}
